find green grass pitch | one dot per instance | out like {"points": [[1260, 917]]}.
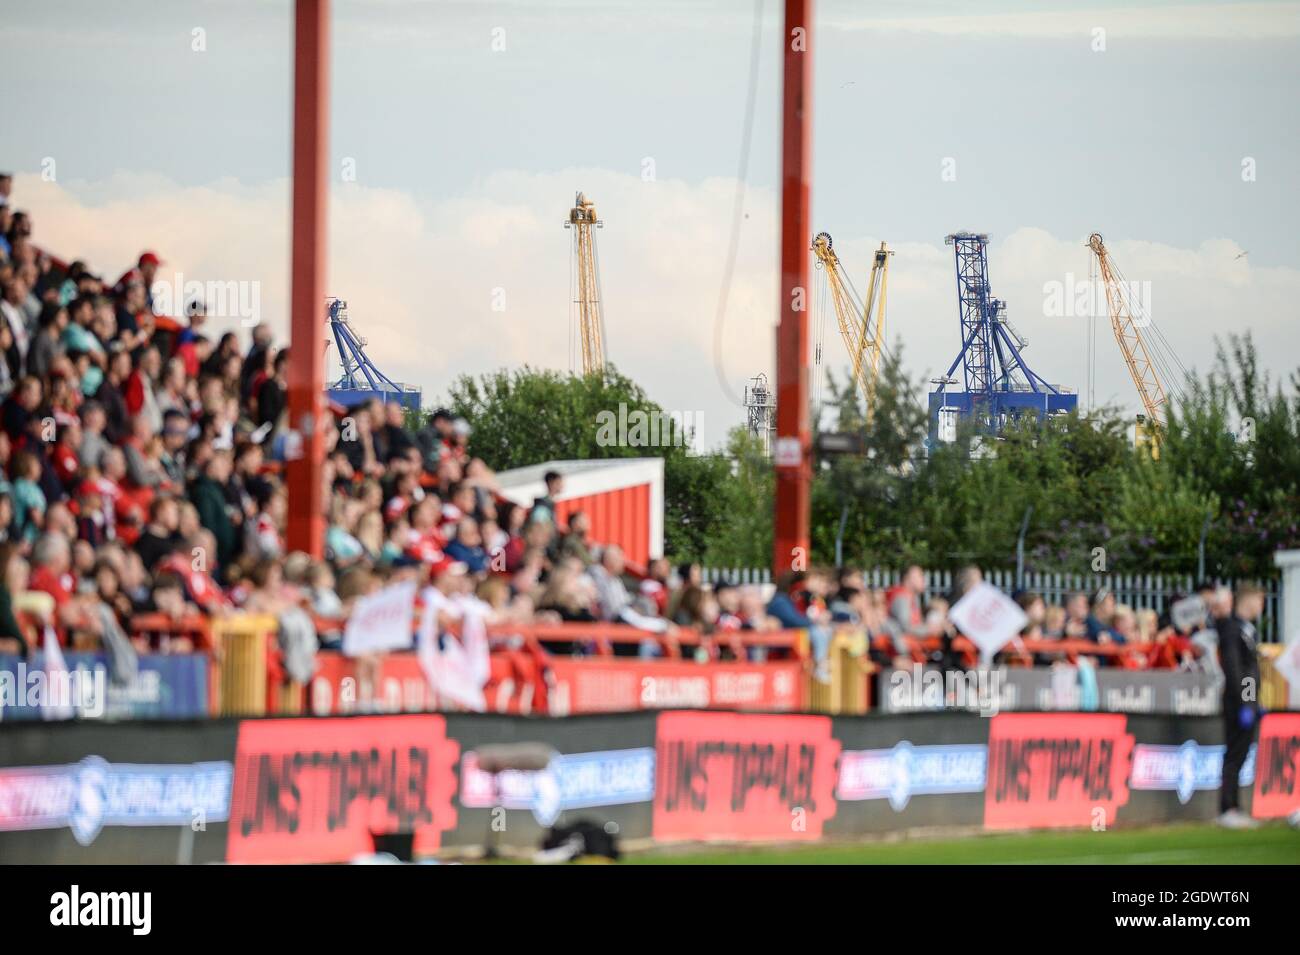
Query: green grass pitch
{"points": [[1173, 845]]}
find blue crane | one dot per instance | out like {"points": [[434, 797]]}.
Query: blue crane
{"points": [[998, 383], [361, 380]]}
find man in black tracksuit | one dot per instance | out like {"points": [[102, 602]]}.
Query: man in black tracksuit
{"points": [[1240, 661]]}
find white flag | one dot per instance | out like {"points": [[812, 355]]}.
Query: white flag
{"points": [[56, 704], [988, 617], [458, 668], [381, 621]]}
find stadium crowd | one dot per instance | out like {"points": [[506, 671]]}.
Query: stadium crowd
{"points": [[141, 460]]}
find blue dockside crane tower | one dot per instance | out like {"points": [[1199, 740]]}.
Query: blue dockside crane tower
{"points": [[998, 384], [361, 380]]}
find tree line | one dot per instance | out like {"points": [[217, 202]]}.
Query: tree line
{"points": [[1227, 468]]}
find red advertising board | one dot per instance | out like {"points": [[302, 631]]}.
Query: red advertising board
{"points": [[315, 790], [605, 686], [589, 685], [1056, 769], [400, 686], [1277, 767], [743, 776]]}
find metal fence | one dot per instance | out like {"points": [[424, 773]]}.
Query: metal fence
{"points": [[1139, 591]]}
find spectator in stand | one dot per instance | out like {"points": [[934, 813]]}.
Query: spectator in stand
{"points": [[143, 455], [797, 605], [434, 439], [1123, 624], [1034, 609], [161, 535], [172, 396], [849, 603], [47, 345], [112, 394], [21, 407], [175, 435], [6, 368], [905, 621], [782, 606], [108, 589], [13, 580], [614, 603], [1054, 623], [169, 596], [567, 597], [1146, 621], [93, 444], [730, 614], [1176, 645], [698, 611], [682, 577], [753, 611], [272, 395], [6, 512], [658, 584], [52, 560], [576, 542], [208, 496], [255, 362], [370, 534], [1077, 614], [1100, 620], [391, 438], [467, 546], [544, 506], [139, 392], [13, 296], [28, 497], [343, 547]]}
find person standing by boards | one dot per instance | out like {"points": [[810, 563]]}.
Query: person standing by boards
{"points": [[1239, 657]]}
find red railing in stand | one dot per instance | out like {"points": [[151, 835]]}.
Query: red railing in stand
{"points": [[599, 665], [197, 628]]}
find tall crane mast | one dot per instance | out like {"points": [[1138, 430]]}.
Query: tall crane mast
{"points": [[999, 384], [862, 325], [591, 316], [1129, 336]]}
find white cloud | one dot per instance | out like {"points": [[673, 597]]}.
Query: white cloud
{"points": [[1251, 20], [419, 278]]}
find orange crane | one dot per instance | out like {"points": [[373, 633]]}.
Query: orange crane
{"points": [[862, 325], [1128, 333], [590, 314]]}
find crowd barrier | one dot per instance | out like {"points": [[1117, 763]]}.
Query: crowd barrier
{"points": [[235, 669], [299, 789]]}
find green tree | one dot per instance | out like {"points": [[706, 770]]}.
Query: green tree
{"points": [[1235, 437], [1230, 451], [527, 416], [743, 535]]}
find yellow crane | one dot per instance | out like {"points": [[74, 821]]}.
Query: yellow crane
{"points": [[590, 314], [1128, 333], [862, 325]]}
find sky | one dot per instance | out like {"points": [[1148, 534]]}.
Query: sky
{"points": [[460, 132]]}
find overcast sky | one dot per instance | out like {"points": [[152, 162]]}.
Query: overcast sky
{"points": [[1060, 119]]}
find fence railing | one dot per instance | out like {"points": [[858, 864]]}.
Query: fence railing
{"points": [[1138, 591], [738, 575]]}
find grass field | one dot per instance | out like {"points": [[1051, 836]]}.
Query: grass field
{"points": [[1174, 845]]}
